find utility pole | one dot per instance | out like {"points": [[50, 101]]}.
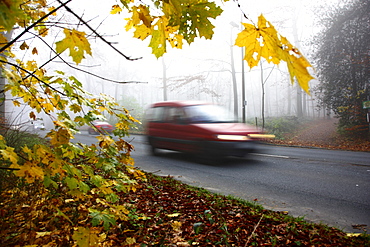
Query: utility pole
{"points": [[164, 75], [233, 76], [243, 87], [233, 73]]}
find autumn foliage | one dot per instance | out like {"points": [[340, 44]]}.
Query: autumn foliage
{"points": [[166, 213], [82, 185]]}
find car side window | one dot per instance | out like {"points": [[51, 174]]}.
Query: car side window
{"points": [[156, 114], [175, 115]]}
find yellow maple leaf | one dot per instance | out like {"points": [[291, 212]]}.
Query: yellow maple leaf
{"points": [[57, 168], [77, 44], [120, 211], [105, 141], [248, 39], [26, 150], [3, 40], [43, 31], [298, 68], [176, 226], [51, 9], [142, 32], [144, 15], [48, 107], [9, 154], [75, 108], [130, 241], [62, 136], [122, 125], [87, 237], [30, 172], [116, 9], [264, 41], [16, 103]]}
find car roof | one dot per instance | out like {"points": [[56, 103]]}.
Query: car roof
{"points": [[100, 122], [179, 103]]}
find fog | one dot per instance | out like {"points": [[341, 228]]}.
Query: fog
{"points": [[201, 71]]}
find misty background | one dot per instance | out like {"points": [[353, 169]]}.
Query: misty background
{"points": [[201, 71]]}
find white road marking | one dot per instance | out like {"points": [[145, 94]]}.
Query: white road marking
{"points": [[272, 155]]}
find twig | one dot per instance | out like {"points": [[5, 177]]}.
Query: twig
{"points": [[156, 171], [32, 25], [57, 55], [8, 168], [32, 75], [97, 34], [244, 14], [255, 228]]}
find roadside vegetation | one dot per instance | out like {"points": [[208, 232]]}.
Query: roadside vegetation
{"points": [[161, 212], [318, 133], [61, 193], [279, 126]]}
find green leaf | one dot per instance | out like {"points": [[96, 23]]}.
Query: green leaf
{"points": [[84, 187], [9, 13], [72, 183], [112, 198], [104, 217], [158, 42], [197, 227], [60, 213], [48, 181], [195, 20]]}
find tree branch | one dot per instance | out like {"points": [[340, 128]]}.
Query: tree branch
{"points": [[32, 26], [97, 34], [76, 68], [32, 75]]}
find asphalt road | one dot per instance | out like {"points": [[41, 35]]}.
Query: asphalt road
{"points": [[323, 186]]}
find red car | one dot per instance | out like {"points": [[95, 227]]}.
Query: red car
{"points": [[100, 127], [200, 128]]}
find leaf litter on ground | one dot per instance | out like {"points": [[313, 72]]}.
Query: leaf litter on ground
{"points": [[164, 212]]}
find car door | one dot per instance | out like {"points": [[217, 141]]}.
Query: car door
{"points": [[175, 129]]}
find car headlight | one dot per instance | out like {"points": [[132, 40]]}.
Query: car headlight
{"points": [[261, 136], [232, 137]]}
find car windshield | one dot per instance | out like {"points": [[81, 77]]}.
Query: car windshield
{"points": [[208, 114]]}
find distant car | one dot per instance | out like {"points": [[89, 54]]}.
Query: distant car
{"points": [[101, 127], [38, 125], [201, 128]]}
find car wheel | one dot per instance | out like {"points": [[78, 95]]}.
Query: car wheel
{"points": [[207, 156], [152, 148], [203, 155], [154, 151]]}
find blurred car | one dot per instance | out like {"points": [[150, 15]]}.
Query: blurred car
{"points": [[200, 128], [38, 124], [100, 127]]}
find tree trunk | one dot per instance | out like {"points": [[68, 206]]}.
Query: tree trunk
{"points": [[299, 101]]}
